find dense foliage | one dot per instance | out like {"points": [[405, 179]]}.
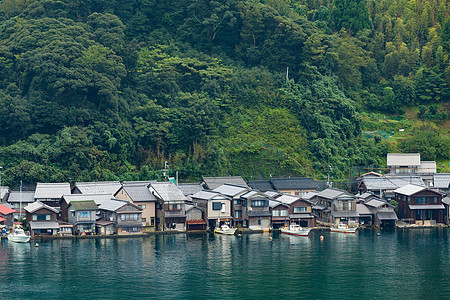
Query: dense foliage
{"points": [[101, 90]]}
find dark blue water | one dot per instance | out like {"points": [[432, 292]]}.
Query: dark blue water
{"points": [[407, 264]]}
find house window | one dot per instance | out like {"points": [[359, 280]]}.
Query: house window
{"points": [[259, 203], [152, 221], [299, 209], [421, 200], [41, 217], [83, 214], [237, 202], [129, 217], [142, 206], [144, 220], [223, 208], [73, 214], [238, 213], [280, 213], [217, 205]]}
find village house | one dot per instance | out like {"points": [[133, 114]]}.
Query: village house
{"points": [[343, 209], [383, 186], [138, 193], [6, 216], [300, 213], [42, 219], [194, 218], [189, 189], [280, 214], [51, 193], [419, 205], [172, 212], [296, 186], [322, 203], [82, 215], [239, 204], [20, 200], [441, 182], [203, 200], [258, 213], [126, 217], [99, 187], [383, 213], [67, 199], [403, 163], [261, 185], [219, 211]]}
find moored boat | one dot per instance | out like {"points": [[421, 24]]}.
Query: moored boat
{"points": [[18, 236], [225, 229], [343, 228], [295, 230]]}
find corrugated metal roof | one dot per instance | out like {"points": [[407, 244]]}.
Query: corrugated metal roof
{"points": [[275, 203], [441, 180], [51, 190], [208, 195], [427, 167], [446, 200], [5, 210], [139, 192], [261, 185], [230, 190], [330, 193], [167, 191], [15, 196], [383, 215], [101, 187], [272, 194], [365, 195], [190, 188], [409, 189], [214, 182], [97, 198], [388, 182], [403, 159], [294, 183], [83, 205], [425, 206], [32, 207], [361, 209], [112, 204], [252, 193], [375, 203], [288, 199], [43, 225], [309, 195]]}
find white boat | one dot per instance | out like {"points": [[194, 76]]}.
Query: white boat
{"points": [[225, 229], [18, 236], [344, 228], [295, 229]]}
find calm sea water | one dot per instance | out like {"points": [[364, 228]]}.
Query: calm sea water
{"points": [[406, 264]]}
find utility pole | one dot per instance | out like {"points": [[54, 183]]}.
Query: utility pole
{"points": [[329, 183], [20, 200], [166, 168]]}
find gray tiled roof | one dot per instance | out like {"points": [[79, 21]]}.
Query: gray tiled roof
{"points": [[309, 195], [426, 206], [294, 183], [190, 188], [388, 182], [261, 185], [250, 194], [138, 192], [403, 159], [345, 214], [167, 191], [446, 200], [230, 190], [25, 197], [363, 210], [31, 208], [51, 190], [441, 180], [427, 167], [274, 203], [272, 194], [214, 182], [101, 187]]}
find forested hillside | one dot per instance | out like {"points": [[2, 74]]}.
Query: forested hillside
{"points": [[106, 90]]}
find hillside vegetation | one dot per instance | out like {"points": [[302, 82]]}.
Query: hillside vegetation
{"points": [[106, 90]]}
